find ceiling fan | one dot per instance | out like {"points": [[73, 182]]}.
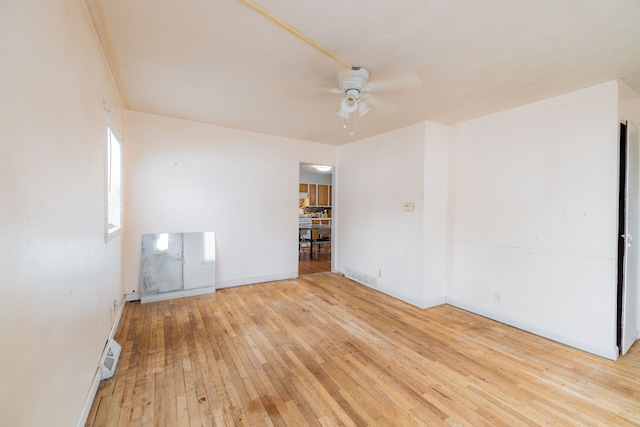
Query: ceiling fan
{"points": [[354, 81], [360, 93]]}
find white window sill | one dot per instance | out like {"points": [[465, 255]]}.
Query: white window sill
{"points": [[112, 233]]}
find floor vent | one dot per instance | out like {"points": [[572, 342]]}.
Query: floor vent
{"points": [[109, 359]]}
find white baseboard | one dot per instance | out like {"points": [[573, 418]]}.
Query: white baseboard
{"points": [[116, 321], [608, 353], [95, 383], [86, 408], [416, 303], [434, 302], [133, 296], [253, 280], [178, 294]]}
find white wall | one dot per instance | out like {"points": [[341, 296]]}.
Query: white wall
{"points": [[629, 104], [380, 244], [58, 277], [533, 216], [435, 214], [184, 176]]}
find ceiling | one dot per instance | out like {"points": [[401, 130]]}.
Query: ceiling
{"points": [[311, 168], [242, 65]]}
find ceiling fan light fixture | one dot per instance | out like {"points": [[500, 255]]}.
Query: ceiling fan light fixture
{"points": [[349, 104], [352, 83], [342, 113], [363, 108]]}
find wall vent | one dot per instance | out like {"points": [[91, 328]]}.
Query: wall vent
{"points": [[109, 359], [361, 277]]}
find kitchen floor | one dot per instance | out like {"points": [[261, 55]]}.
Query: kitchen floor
{"points": [[306, 265]]}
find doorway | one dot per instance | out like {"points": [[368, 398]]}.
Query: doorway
{"points": [[316, 210], [628, 231]]}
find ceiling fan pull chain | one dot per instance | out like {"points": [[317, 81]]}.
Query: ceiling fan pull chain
{"points": [[351, 115]]}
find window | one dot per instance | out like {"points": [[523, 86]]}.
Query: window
{"points": [[114, 184]]}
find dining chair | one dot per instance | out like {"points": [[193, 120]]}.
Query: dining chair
{"points": [[323, 242], [304, 243]]}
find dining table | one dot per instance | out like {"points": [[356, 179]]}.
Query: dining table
{"points": [[314, 242]]}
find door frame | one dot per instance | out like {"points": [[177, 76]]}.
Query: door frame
{"points": [[628, 230], [332, 195]]}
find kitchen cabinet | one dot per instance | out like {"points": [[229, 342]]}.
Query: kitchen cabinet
{"points": [[323, 195], [319, 194], [313, 199]]}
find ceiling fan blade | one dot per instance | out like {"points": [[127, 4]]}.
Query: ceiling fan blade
{"points": [[378, 104], [405, 79], [317, 90]]}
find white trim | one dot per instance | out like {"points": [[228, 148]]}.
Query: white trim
{"points": [[608, 353], [434, 302], [252, 280], [112, 134], [133, 296], [391, 293], [416, 303], [178, 294], [86, 408], [109, 235], [116, 321]]}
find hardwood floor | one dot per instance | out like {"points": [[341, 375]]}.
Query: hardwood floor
{"points": [[308, 265], [322, 350]]}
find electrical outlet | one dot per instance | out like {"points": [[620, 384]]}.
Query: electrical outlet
{"points": [[409, 206], [379, 273], [497, 297]]}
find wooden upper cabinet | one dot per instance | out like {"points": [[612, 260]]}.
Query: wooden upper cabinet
{"points": [[312, 195], [323, 195], [319, 194]]}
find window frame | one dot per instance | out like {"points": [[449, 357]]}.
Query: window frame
{"points": [[112, 228]]}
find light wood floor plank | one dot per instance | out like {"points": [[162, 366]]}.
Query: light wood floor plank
{"points": [[308, 265], [323, 351]]}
